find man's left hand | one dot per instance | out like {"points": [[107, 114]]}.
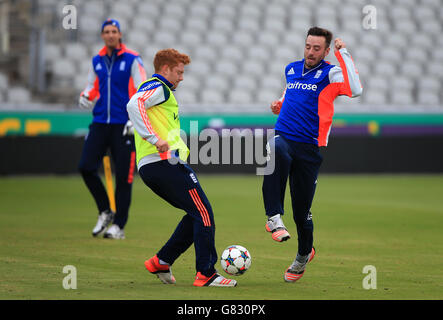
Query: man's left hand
{"points": [[339, 44]]}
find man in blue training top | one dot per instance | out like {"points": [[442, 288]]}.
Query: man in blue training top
{"points": [[113, 77], [303, 125]]}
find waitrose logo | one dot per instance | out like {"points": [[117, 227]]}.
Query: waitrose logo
{"points": [[302, 86]]}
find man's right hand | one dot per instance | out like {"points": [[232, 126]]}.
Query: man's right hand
{"points": [[162, 145], [276, 106], [84, 102]]}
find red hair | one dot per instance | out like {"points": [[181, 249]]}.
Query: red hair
{"points": [[169, 57]]}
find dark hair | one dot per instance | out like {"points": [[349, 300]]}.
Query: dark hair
{"points": [[316, 31]]}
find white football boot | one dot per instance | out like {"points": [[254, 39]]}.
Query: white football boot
{"points": [[216, 280], [277, 228], [114, 232], [297, 269], [104, 219]]}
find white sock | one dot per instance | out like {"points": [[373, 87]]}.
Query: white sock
{"points": [[162, 262]]}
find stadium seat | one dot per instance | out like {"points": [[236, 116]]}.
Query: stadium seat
{"points": [[233, 53], [168, 24], [273, 25], [350, 12], [284, 53], [433, 27], [400, 13], [226, 67], [253, 68], [245, 82], [396, 40], [199, 68], [217, 39], [143, 24], [63, 68], [199, 10], [83, 67], [250, 10], [186, 97], [390, 54], [18, 95], [80, 82], [196, 25], [248, 24], [191, 82], [89, 28], [371, 41], [416, 54], [165, 39], [402, 83], [217, 82], [52, 52], [268, 39], [421, 13], [275, 82], [148, 9], [294, 40], [428, 98], [351, 24], [3, 80], [429, 83], [378, 82], [265, 97], [222, 25], [121, 10], [205, 53], [364, 54], [176, 10], [257, 52], [405, 26], [277, 67], [137, 38], [435, 68], [276, 11], [224, 11], [212, 96], [76, 51], [401, 97], [437, 54], [239, 96], [300, 25], [191, 38], [386, 69], [364, 69], [375, 96], [242, 39]]}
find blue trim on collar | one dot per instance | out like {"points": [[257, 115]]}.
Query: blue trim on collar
{"points": [[156, 75]]}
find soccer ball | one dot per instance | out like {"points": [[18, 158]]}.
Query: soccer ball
{"points": [[235, 260]]}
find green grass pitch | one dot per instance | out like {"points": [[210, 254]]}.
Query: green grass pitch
{"points": [[392, 222]]}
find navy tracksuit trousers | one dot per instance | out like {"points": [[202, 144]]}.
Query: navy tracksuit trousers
{"points": [[178, 185], [100, 138], [301, 163]]}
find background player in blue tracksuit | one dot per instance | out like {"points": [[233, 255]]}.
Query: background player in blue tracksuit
{"points": [[303, 125], [113, 78]]}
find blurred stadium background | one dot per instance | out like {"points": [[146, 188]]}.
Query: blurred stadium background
{"points": [[239, 50]]}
